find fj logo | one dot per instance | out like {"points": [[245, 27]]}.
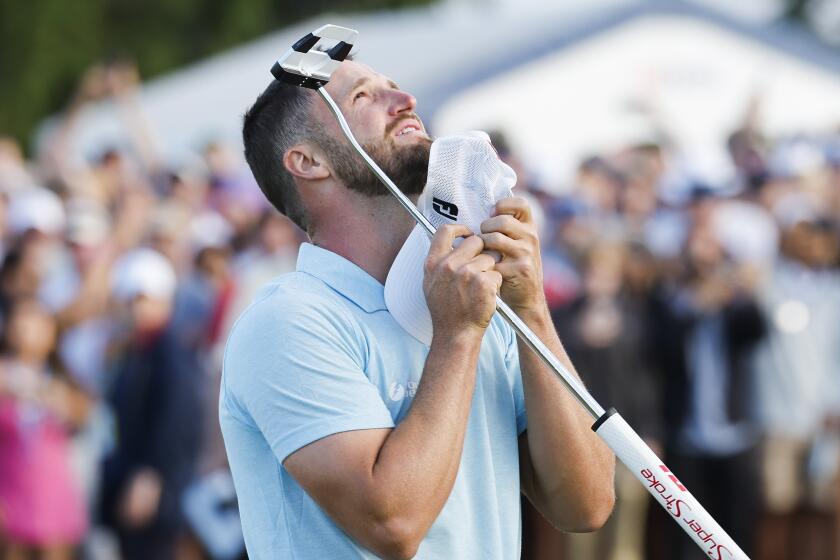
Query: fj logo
{"points": [[445, 209], [398, 391]]}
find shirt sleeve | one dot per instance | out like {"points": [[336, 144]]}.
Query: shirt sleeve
{"points": [[295, 369]]}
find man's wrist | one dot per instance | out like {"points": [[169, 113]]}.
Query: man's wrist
{"points": [[535, 315], [463, 338], [464, 342]]}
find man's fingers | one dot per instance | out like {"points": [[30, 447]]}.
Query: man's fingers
{"points": [[497, 278], [464, 253], [481, 263], [515, 206], [512, 217], [480, 270], [442, 253], [444, 238], [503, 244], [508, 225], [469, 248]]}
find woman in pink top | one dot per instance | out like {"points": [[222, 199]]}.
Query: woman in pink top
{"points": [[41, 508]]}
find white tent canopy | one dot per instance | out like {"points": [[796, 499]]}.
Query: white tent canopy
{"points": [[681, 74], [555, 76]]}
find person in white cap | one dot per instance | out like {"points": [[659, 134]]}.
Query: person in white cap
{"points": [[155, 396], [347, 435]]}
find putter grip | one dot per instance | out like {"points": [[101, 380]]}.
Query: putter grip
{"points": [[666, 488]]}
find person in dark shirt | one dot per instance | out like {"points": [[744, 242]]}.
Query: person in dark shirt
{"points": [[707, 323], [605, 332], [156, 402]]}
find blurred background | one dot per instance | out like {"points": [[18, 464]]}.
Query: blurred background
{"points": [[683, 158]]}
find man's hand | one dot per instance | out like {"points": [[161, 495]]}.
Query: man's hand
{"points": [[460, 284], [512, 233], [141, 498]]}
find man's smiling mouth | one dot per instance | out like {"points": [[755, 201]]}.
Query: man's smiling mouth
{"points": [[408, 130], [406, 125]]}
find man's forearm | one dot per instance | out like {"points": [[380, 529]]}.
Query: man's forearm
{"points": [[417, 465], [571, 469]]}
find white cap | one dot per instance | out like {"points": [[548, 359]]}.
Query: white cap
{"points": [[210, 230], [88, 222], [36, 208], [466, 179], [142, 272], [747, 232]]}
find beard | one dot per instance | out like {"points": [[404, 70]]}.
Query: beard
{"points": [[407, 166]]}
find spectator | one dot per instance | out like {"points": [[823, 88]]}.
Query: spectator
{"points": [[605, 332], [797, 370], [156, 400], [707, 324], [41, 507]]}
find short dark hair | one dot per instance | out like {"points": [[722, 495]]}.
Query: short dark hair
{"points": [[278, 120]]}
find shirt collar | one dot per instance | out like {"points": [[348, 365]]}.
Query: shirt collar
{"points": [[342, 276]]}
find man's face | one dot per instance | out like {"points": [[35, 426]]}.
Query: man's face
{"points": [[383, 120]]}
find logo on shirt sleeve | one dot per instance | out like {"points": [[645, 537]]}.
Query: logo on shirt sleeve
{"points": [[398, 391]]}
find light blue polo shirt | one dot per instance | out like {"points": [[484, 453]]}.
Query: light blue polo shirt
{"points": [[317, 353]]}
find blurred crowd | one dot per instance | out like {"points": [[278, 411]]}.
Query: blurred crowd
{"points": [[707, 314], [120, 277]]}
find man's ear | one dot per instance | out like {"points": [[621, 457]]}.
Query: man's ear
{"points": [[305, 161]]}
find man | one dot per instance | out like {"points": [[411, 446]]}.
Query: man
{"points": [[347, 438]]}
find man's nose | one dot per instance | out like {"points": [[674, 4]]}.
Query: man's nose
{"points": [[401, 102]]}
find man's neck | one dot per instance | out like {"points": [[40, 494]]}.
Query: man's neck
{"points": [[369, 232]]}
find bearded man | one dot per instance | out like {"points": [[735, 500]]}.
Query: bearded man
{"points": [[348, 438]]}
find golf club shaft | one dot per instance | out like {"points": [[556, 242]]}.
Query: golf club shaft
{"points": [[525, 333]]}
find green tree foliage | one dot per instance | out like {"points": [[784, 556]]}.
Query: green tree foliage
{"points": [[45, 45]]}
